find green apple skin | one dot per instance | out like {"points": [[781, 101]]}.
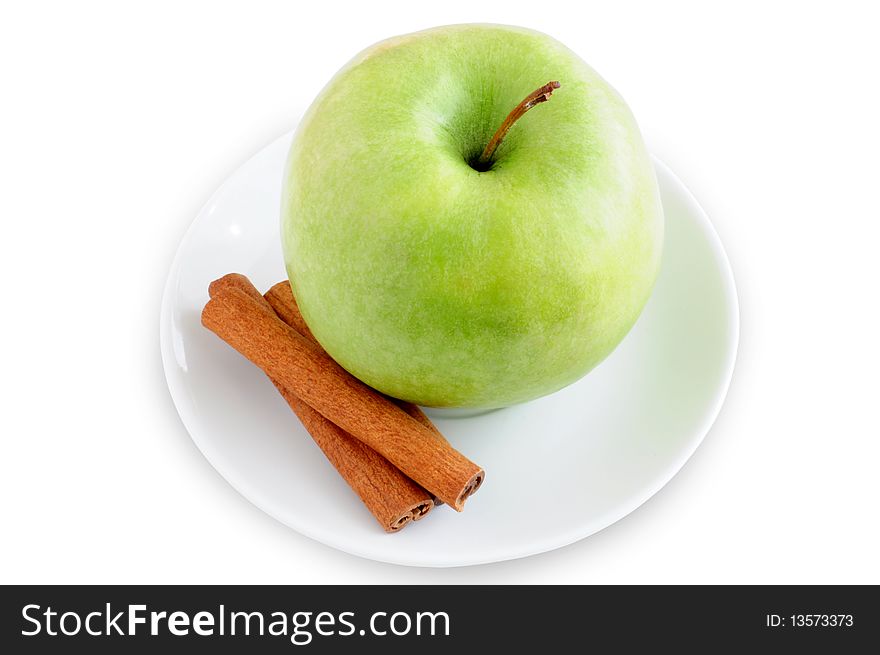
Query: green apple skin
{"points": [[449, 287]]}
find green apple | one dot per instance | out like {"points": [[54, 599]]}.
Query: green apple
{"points": [[449, 273]]}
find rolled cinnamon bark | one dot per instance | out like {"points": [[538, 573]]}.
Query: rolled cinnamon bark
{"points": [[304, 369], [389, 495]]}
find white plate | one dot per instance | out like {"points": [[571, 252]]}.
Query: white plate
{"points": [[558, 469]]}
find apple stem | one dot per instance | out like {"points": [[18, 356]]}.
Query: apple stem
{"points": [[536, 97]]}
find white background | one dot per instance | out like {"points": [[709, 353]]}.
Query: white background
{"points": [[117, 122]]}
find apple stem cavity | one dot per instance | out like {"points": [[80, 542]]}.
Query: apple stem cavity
{"points": [[536, 97]]}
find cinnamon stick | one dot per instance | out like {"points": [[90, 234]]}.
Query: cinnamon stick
{"points": [[388, 494], [280, 297], [302, 368]]}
